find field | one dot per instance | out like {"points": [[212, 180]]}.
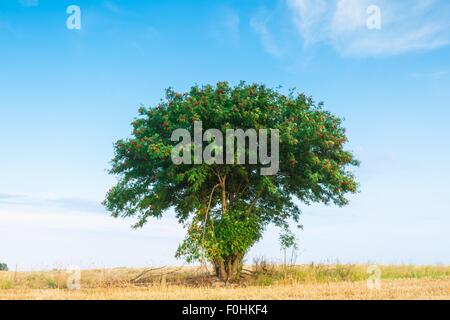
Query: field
{"points": [[261, 281]]}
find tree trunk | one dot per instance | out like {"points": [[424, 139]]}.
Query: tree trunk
{"points": [[220, 269], [229, 269]]}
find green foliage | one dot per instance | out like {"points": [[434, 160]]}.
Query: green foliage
{"points": [[3, 267], [287, 240], [226, 207], [223, 238]]}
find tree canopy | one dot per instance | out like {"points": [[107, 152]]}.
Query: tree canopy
{"points": [[226, 207]]}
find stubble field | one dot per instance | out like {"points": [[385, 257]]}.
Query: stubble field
{"points": [[258, 282]]}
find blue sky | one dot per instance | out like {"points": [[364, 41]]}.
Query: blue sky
{"points": [[67, 95]]}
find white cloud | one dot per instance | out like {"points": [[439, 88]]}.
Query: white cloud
{"points": [[406, 26], [349, 16]]}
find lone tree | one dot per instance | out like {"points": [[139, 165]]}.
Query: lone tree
{"points": [[226, 207]]}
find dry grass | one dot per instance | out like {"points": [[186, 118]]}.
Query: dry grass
{"points": [[264, 281]]}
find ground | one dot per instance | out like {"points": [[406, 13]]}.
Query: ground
{"points": [[259, 282]]}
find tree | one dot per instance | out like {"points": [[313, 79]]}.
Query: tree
{"points": [[225, 208], [3, 267]]}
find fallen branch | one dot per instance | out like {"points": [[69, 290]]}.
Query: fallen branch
{"points": [[146, 272]]}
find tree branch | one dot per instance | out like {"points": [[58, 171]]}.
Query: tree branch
{"points": [[209, 203], [252, 204]]}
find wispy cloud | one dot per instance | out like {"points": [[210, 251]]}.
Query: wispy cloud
{"points": [[406, 26], [45, 238], [226, 25], [308, 16], [113, 7], [75, 204], [430, 75], [29, 3], [231, 23], [259, 25]]}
